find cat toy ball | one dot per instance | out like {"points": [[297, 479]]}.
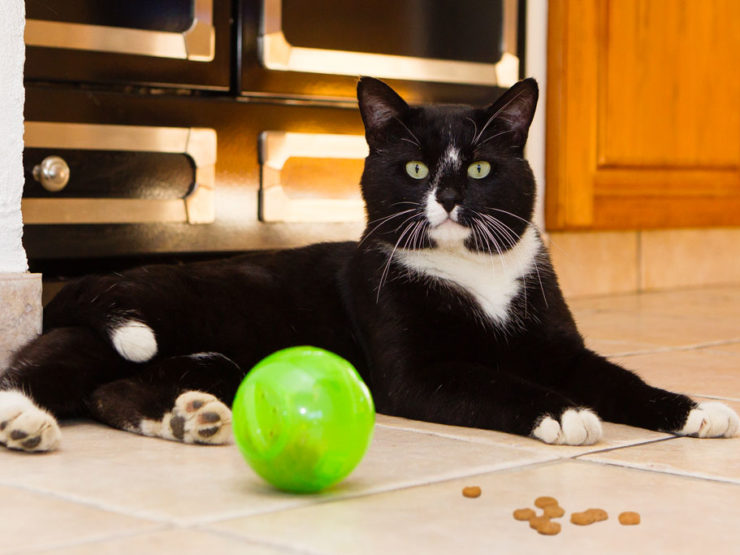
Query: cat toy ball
{"points": [[303, 419]]}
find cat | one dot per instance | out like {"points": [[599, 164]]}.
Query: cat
{"points": [[448, 306]]}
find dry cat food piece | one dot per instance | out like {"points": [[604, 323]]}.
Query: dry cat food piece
{"points": [[599, 514], [544, 525], [588, 517], [629, 517], [471, 491], [524, 514], [553, 511], [582, 519], [537, 521], [549, 528], [544, 501]]}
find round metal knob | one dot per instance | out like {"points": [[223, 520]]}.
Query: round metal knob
{"points": [[52, 173]]}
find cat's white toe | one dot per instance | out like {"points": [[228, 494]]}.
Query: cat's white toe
{"points": [[576, 427], [711, 419], [548, 430], [24, 426]]}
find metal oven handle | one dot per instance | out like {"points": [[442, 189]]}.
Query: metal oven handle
{"points": [[197, 143], [276, 147], [198, 43], [278, 54]]}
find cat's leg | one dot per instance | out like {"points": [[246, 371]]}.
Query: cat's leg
{"points": [[181, 398], [49, 378], [465, 394], [619, 395]]}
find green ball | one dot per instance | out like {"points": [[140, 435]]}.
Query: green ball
{"points": [[303, 419]]}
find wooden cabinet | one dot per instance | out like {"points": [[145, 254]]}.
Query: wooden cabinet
{"points": [[643, 114]]}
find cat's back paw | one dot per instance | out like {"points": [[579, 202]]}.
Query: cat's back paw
{"points": [[711, 419], [26, 427], [574, 427], [197, 417]]}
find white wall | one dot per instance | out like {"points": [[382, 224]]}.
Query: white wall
{"points": [[536, 66], [12, 56]]}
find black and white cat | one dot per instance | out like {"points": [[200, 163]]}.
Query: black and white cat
{"points": [[448, 307]]}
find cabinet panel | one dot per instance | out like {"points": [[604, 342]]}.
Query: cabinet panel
{"points": [[643, 126], [665, 99]]}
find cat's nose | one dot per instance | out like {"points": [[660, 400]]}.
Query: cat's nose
{"points": [[448, 198]]}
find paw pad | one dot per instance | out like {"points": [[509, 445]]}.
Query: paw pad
{"points": [[199, 417], [24, 426]]}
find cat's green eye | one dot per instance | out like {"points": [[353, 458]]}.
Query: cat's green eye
{"points": [[416, 169], [479, 170]]}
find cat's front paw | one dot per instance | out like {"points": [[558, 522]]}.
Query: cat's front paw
{"points": [[574, 427], [201, 418], [711, 419], [24, 426]]}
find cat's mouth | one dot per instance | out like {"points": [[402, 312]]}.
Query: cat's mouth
{"points": [[449, 231], [448, 222]]}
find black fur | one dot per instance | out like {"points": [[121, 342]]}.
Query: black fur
{"points": [[423, 345]]}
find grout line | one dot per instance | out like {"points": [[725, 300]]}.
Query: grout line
{"points": [[668, 349], [250, 540], [99, 505], [401, 486], [665, 471], [716, 397], [623, 447], [90, 541], [539, 448]]}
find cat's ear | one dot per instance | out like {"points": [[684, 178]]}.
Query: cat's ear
{"points": [[515, 109], [379, 105]]}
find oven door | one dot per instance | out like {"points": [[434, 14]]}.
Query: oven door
{"points": [[444, 50], [167, 42]]}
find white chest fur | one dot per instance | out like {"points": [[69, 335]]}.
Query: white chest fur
{"points": [[493, 281]]}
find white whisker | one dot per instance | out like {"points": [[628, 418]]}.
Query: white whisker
{"points": [[383, 221]]}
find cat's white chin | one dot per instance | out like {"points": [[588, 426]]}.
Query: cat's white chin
{"points": [[449, 234]]}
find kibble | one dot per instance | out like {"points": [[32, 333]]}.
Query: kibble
{"points": [[599, 514], [544, 501], [471, 491], [582, 519], [549, 528], [538, 521], [589, 517], [524, 514], [628, 518], [553, 511]]}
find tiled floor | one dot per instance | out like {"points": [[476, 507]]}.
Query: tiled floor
{"points": [[112, 492]]}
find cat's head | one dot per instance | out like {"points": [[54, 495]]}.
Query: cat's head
{"points": [[447, 176]]}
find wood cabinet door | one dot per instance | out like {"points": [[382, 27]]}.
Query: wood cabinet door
{"points": [[643, 114]]}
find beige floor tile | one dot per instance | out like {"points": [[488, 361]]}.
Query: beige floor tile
{"points": [[690, 257], [655, 329], [702, 302], [695, 372], [188, 484], [32, 520], [615, 435], [733, 348], [438, 519], [595, 263], [609, 347], [717, 459], [180, 541]]}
